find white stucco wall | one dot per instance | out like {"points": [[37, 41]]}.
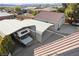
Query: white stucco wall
{"points": [[59, 23]]}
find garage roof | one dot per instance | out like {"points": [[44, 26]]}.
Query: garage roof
{"points": [[48, 16], [59, 46]]}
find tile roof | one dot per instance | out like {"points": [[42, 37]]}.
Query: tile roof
{"points": [[59, 46], [49, 16]]}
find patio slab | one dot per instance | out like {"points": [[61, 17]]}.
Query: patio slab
{"points": [[67, 29]]}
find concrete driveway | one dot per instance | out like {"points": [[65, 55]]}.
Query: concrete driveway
{"points": [[29, 51]]}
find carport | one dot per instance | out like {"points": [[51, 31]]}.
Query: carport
{"points": [[41, 29], [9, 27]]}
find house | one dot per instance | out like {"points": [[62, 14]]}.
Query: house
{"points": [[57, 5], [5, 15], [25, 16], [51, 17], [28, 9], [65, 46], [46, 9], [28, 16]]}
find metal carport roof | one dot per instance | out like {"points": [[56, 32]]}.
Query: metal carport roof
{"points": [[41, 28], [9, 26]]}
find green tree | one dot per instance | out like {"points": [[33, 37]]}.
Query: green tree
{"points": [[62, 9], [70, 11], [33, 12], [6, 45], [1, 8], [18, 8], [76, 13]]}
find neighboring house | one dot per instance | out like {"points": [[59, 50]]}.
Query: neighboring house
{"points": [[46, 9], [28, 16], [51, 17], [24, 16], [57, 5], [5, 15], [65, 46], [28, 9]]}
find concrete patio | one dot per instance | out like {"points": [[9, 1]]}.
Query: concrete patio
{"points": [[67, 29]]}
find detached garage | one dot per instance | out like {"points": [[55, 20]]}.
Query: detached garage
{"points": [[51, 17]]}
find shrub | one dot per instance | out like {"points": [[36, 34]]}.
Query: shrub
{"points": [[6, 45]]}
